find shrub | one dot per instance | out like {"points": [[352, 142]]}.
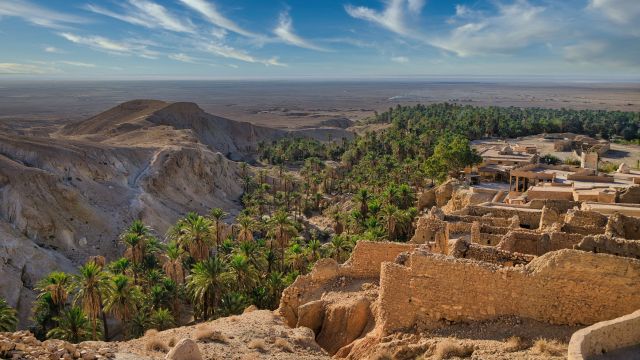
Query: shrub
{"points": [[549, 347], [449, 348], [207, 334], [155, 344], [257, 344], [284, 345], [515, 343]]}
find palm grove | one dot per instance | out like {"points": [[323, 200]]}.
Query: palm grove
{"points": [[205, 268]]}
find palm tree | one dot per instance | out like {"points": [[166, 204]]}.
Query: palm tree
{"points": [[8, 318], [275, 285], [339, 244], [206, 283], [313, 247], [91, 284], [217, 215], [73, 326], [122, 300], [243, 272], [245, 228], [119, 266], [395, 221], [194, 233], [57, 285], [135, 237], [296, 257], [282, 230], [363, 198], [162, 319], [173, 263]]}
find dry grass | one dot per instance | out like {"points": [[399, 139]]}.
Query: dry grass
{"points": [[549, 347], [515, 343], [257, 344], [155, 344], [151, 332], [250, 308], [284, 345], [449, 348], [207, 334]]}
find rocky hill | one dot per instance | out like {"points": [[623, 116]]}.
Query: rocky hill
{"points": [[67, 194]]}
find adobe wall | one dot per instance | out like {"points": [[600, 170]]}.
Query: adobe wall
{"points": [[490, 254], [584, 218], [605, 337], [559, 205], [610, 245], [485, 220], [537, 243], [364, 263], [528, 217], [627, 227], [561, 287]]}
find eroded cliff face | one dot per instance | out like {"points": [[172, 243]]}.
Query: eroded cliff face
{"points": [[67, 196]]}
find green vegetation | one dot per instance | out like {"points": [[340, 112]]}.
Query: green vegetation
{"points": [[551, 160], [8, 319], [365, 189]]}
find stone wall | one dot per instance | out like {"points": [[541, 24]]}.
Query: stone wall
{"points": [[364, 263], [562, 287], [584, 218], [490, 254], [610, 245], [605, 337], [527, 242], [627, 227], [529, 218]]}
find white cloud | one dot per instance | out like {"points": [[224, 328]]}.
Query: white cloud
{"points": [[400, 59], [229, 52], [182, 57], [21, 69], [392, 17], [52, 50], [37, 15], [78, 64], [148, 14], [604, 52], [135, 47], [516, 25], [624, 12], [211, 13], [285, 32]]}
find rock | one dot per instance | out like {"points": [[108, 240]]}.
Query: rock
{"points": [[185, 349], [343, 323], [311, 315]]}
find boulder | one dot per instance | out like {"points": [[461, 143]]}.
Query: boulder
{"points": [[185, 349], [344, 322], [311, 315]]}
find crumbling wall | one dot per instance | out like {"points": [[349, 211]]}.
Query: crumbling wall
{"points": [[485, 220], [529, 218], [490, 254], [560, 205], [610, 245], [627, 227], [605, 337], [532, 243], [582, 218], [630, 196], [364, 263], [561, 287]]}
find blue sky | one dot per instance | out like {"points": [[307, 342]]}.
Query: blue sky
{"points": [[220, 39]]}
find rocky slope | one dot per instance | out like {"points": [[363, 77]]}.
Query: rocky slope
{"points": [[67, 194]]}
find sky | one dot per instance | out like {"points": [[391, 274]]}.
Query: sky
{"points": [[270, 39]]}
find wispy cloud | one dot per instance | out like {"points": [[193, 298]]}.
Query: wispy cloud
{"points": [[182, 58], [400, 59], [625, 12], [229, 52], [211, 13], [515, 26], [52, 50], [133, 47], [37, 15], [148, 14], [393, 17], [285, 32], [78, 64], [24, 69]]}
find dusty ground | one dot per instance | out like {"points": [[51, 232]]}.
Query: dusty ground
{"points": [[243, 336]]}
